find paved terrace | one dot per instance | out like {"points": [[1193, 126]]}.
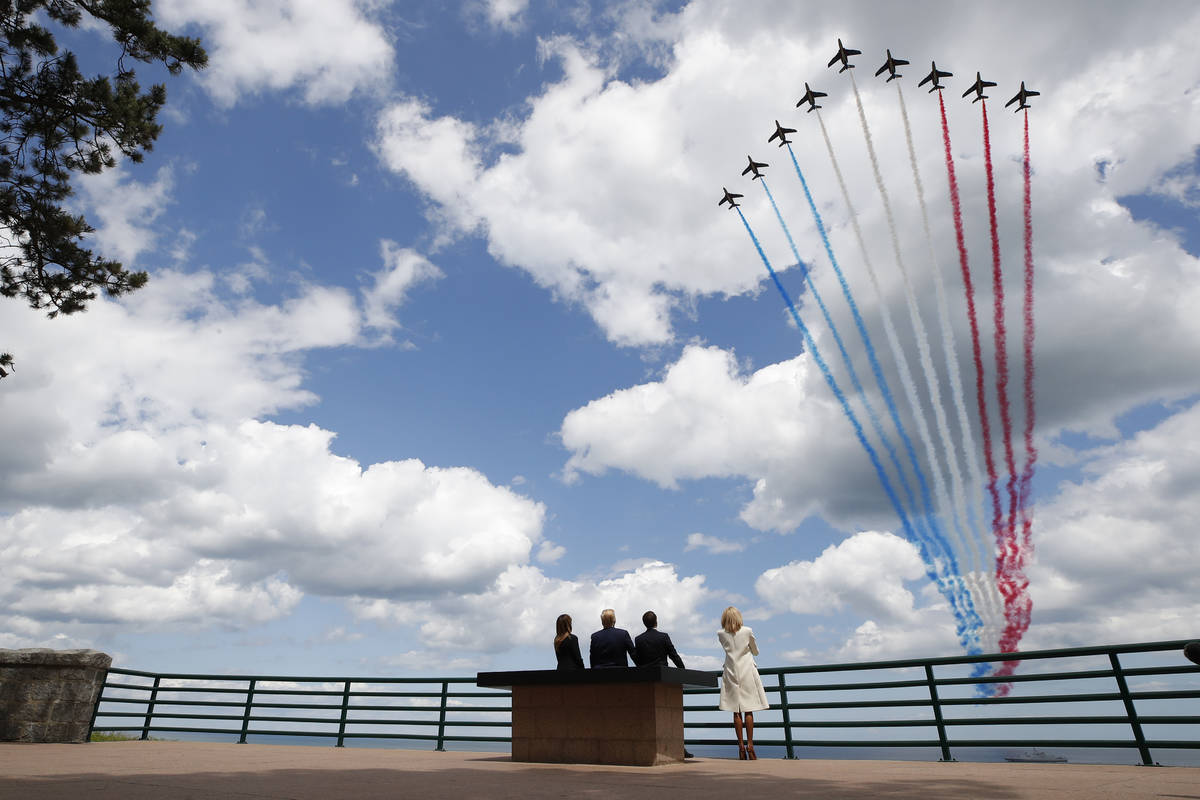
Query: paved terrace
{"points": [[137, 770]]}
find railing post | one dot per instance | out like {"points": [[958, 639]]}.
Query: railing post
{"points": [[345, 712], [249, 706], [150, 709], [96, 708], [1130, 711], [441, 742], [787, 717], [937, 714]]}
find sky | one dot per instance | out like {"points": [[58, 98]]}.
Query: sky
{"points": [[446, 335]]}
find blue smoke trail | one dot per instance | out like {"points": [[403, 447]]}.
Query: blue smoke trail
{"points": [[837, 391], [858, 387], [967, 620]]}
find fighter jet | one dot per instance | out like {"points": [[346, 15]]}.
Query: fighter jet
{"points": [[934, 75], [810, 97], [843, 56], [730, 198], [754, 167], [890, 65], [977, 87], [1023, 94], [781, 134]]}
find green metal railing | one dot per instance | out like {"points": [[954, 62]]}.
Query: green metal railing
{"points": [[930, 694], [331, 707]]}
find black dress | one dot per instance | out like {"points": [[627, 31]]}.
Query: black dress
{"points": [[567, 652]]}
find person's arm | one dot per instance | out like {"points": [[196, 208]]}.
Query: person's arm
{"points": [[576, 656], [629, 648], [592, 653], [671, 652], [753, 644]]}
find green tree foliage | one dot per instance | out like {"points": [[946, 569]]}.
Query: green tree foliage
{"points": [[55, 122]]}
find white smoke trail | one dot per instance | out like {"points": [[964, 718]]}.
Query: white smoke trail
{"points": [[906, 379], [982, 567], [926, 361]]}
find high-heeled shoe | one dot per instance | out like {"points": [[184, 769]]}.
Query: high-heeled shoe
{"points": [[750, 752], [741, 753]]}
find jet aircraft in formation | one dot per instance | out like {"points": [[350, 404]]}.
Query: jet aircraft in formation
{"points": [[1022, 94], [754, 167], [810, 97], [934, 75], [890, 65], [843, 55], [780, 134], [977, 87]]}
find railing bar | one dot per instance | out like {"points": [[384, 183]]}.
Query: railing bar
{"points": [[341, 737], [150, 710], [249, 708]]}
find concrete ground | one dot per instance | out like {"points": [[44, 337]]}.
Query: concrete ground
{"points": [[137, 770]]}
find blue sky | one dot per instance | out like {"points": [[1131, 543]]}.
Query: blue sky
{"points": [[446, 335]]}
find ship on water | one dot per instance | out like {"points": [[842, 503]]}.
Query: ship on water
{"points": [[1035, 756]]}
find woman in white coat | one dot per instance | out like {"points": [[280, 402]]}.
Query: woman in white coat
{"points": [[741, 688]]}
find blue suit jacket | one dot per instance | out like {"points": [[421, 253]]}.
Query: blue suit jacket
{"points": [[609, 647]]}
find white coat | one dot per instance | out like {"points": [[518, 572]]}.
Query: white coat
{"points": [[741, 688]]}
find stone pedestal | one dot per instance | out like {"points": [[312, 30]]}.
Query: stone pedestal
{"points": [[49, 695], [631, 716]]}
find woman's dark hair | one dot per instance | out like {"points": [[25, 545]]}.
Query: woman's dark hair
{"points": [[562, 628]]}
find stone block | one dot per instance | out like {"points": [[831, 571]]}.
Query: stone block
{"points": [[49, 695]]}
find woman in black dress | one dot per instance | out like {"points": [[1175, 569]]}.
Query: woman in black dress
{"points": [[566, 644]]}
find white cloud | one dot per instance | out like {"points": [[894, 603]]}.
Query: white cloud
{"points": [[123, 211], [865, 573], [1115, 556], [143, 488], [707, 418], [549, 552], [713, 544], [505, 14], [403, 268], [326, 49], [520, 607]]}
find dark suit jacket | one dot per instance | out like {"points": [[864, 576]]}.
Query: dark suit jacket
{"points": [[654, 648], [609, 646], [568, 653]]}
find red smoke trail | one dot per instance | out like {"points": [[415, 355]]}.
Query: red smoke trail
{"points": [[972, 318], [1027, 339], [1022, 606], [1010, 572]]}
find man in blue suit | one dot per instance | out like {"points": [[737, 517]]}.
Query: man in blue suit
{"points": [[654, 647], [610, 644]]}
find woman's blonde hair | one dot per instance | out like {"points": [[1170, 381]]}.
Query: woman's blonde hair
{"points": [[731, 620]]}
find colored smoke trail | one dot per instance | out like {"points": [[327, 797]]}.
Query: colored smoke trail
{"points": [[972, 320], [952, 585], [981, 577], [1010, 576], [811, 344], [925, 359], [872, 415], [1000, 336], [1024, 604]]}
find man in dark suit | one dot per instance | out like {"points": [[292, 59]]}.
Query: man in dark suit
{"points": [[654, 647], [610, 643]]}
